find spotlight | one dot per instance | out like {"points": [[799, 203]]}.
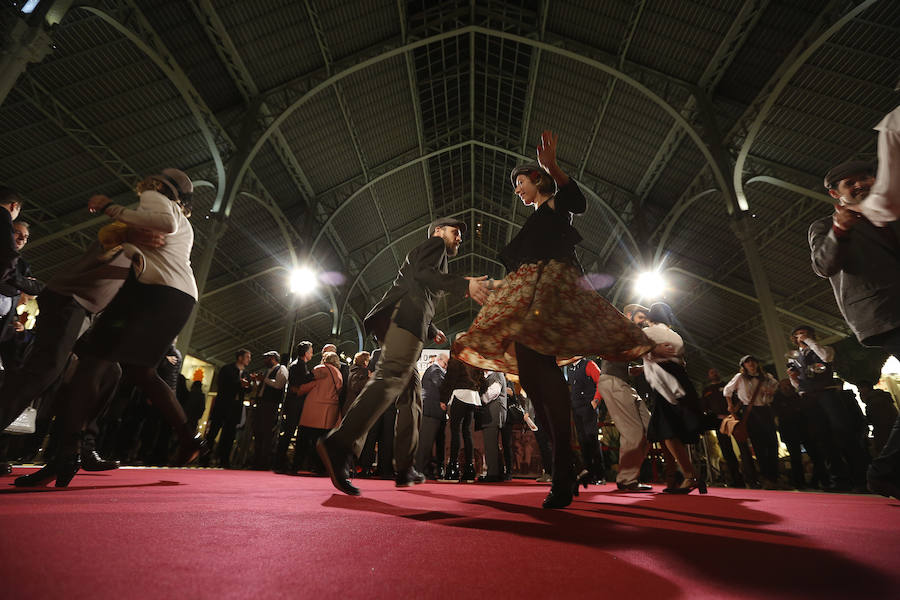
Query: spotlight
{"points": [[650, 284], [303, 280]]}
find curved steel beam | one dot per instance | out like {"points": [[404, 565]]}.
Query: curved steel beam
{"points": [[469, 30], [799, 189], [591, 193], [782, 83], [181, 82], [679, 210], [478, 255], [749, 298]]}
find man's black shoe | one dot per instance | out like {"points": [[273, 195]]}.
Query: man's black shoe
{"points": [[634, 486], [91, 461], [490, 479], [5, 469], [335, 462], [410, 477], [885, 488]]}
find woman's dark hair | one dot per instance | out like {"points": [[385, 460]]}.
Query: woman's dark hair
{"points": [[543, 182], [304, 347]]}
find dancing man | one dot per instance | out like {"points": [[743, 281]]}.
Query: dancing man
{"points": [[402, 322]]}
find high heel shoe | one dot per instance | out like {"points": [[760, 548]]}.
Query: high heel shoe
{"points": [[189, 450], [584, 478], [687, 486], [61, 470], [562, 492]]}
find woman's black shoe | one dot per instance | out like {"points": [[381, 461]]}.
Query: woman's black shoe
{"points": [[61, 470], [687, 486], [66, 470], [562, 492], [560, 497], [189, 450]]}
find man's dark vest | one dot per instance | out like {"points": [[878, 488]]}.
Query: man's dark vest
{"points": [[583, 387], [271, 394], [809, 380]]}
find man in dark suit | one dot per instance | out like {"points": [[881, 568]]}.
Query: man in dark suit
{"points": [[12, 203], [493, 411], [292, 408], [434, 416], [225, 414], [402, 321], [862, 262], [19, 281]]}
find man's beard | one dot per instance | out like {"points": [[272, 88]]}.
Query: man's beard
{"points": [[452, 249]]}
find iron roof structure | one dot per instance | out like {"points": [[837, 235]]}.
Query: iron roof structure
{"points": [[331, 132]]}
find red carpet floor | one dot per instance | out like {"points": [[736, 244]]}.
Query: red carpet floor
{"points": [[173, 533]]}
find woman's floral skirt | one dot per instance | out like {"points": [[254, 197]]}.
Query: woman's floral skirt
{"points": [[549, 308]]}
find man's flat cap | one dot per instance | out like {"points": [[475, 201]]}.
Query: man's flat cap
{"points": [[447, 222], [846, 169]]}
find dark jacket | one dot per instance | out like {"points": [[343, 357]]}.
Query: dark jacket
{"points": [[298, 374], [342, 394], [863, 267], [359, 376], [432, 379], [8, 253], [421, 280], [583, 386], [548, 232], [495, 413], [230, 391], [18, 281]]}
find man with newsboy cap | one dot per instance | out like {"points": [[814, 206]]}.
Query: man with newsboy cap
{"points": [[862, 262], [402, 322]]}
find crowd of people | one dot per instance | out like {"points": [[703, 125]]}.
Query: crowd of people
{"points": [[103, 352]]}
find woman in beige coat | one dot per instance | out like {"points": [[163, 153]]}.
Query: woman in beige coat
{"points": [[321, 410]]}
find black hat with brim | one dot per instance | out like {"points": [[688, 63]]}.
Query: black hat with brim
{"points": [[447, 222], [852, 167], [527, 169]]}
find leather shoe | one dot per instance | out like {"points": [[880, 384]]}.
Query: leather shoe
{"points": [[634, 486], [5, 469], [190, 449], [409, 478], [61, 470], [335, 462], [92, 461]]}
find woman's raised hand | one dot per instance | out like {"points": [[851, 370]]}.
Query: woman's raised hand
{"points": [[546, 151]]}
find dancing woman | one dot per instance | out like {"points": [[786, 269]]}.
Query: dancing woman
{"points": [[676, 418], [544, 314], [139, 324]]}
